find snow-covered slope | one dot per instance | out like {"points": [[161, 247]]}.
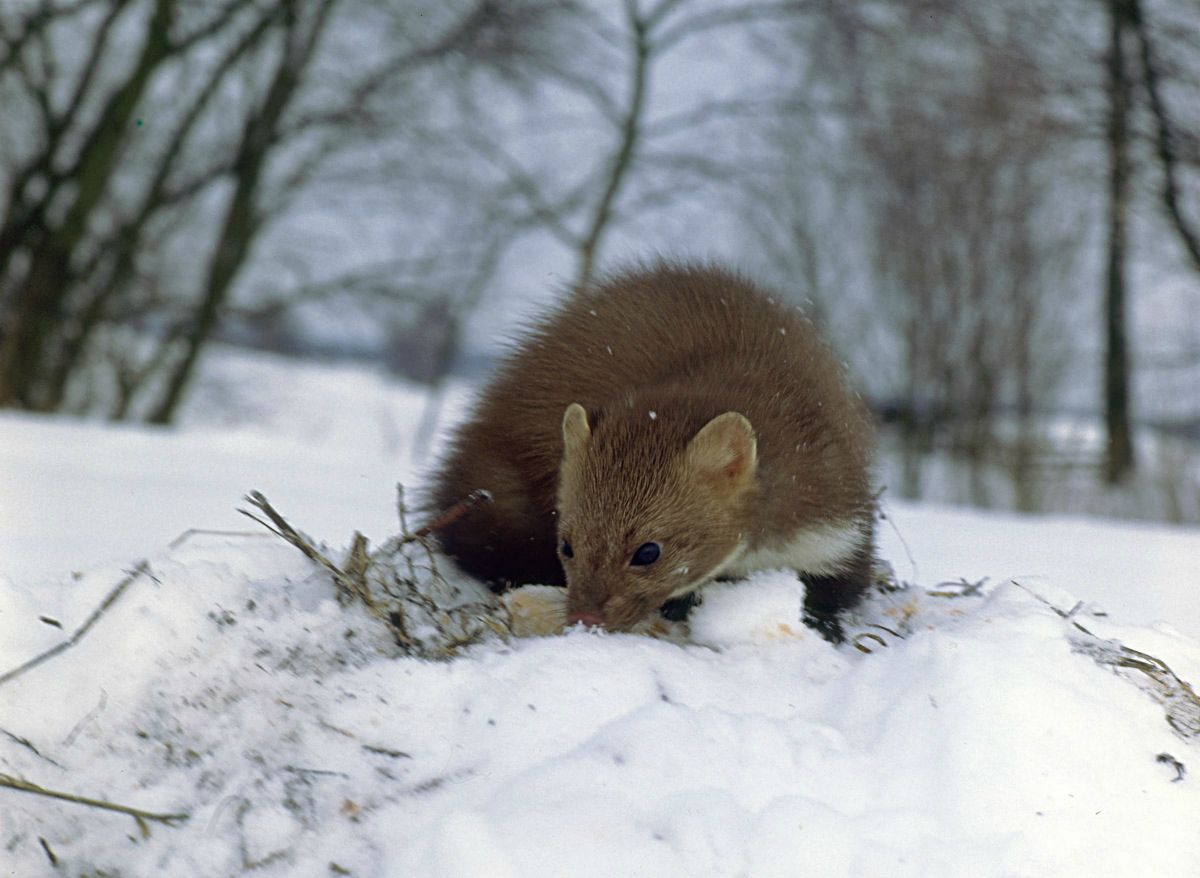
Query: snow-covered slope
{"points": [[233, 688], [226, 683]]}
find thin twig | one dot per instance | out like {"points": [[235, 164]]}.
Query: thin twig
{"points": [[15, 783], [871, 635], [965, 588], [315, 772], [405, 536], [883, 516], [867, 635], [347, 584], [387, 751], [69, 740], [476, 498], [142, 568], [28, 745], [1168, 759], [49, 853], [1176, 694], [199, 531], [422, 535]]}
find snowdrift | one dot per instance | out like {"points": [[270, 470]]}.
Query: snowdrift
{"points": [[227, 684]]}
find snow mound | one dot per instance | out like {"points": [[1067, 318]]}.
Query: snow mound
{"points": [[765, 607], [228, 684]]}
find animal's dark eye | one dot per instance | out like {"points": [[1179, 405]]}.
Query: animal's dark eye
{"points": [[647, 553], [567, 551]]}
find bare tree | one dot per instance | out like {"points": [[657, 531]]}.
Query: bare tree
{"points": [[1175, 147], [1118, 459], [198, 139], [54, 192], [970, 253], [649, 155], [238, 226]]}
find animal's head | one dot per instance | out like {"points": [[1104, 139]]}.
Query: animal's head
{"points": [[645, 515]]}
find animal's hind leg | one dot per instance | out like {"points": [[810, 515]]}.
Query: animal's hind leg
{"points": [[827, 596]]}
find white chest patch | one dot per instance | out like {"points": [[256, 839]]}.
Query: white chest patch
{"points": [[824, 549]]}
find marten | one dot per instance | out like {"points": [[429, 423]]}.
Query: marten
{"points": [[666, 426]]}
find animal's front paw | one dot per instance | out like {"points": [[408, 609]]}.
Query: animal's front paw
{"points": [[825, 623]]}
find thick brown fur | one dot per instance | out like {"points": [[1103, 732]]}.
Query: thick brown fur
{"points": [[653, 355]]}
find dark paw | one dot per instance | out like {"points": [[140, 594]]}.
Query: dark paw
{"points": [[677, 609], [827, 624]]}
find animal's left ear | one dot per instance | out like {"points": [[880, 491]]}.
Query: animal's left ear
{"points": [[576, 431], [725, 451]]}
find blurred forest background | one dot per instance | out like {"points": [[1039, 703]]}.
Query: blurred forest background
{"points": [[993, 208]]}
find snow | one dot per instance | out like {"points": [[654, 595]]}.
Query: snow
{"points": [[322, 438], [230, 685], [1138, 572]]}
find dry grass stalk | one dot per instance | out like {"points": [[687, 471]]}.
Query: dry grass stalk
{"points": [[959, 588], [349, 586], [142, 568], [1178, 698], [50, 855], [140, 817], [1176, 695], [423, 613], [209, 532], [28, 745], [862, 639]]}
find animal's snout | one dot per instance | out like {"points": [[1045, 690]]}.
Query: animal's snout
{"points": [[592, 620]]}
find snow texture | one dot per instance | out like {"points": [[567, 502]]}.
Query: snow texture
{"points": [[232, 686], [981, 736]]}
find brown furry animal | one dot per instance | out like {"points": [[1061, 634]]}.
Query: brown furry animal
{"points": [[665, 427]]}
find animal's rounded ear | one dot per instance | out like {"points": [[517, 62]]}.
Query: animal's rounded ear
{"points": [[725, 450], [575, 429]]}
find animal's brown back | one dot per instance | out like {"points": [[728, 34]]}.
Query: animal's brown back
{"points": [[697, 341]]}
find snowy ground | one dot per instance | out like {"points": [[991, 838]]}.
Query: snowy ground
{"points": [[230, 686]]}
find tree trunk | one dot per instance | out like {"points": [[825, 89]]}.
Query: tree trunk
{"points": [[1119, 458], [240, 226], [237, 232], [1165, 137], [37, 307]]}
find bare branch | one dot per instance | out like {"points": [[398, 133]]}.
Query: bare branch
{"points": [[459, 38], [526, 186], [216, 23], [685, 120], [241, 219], [126, 239], [728, 16], [628, 141], [660, 11], [475, 499], [35, 24], [87, 76], [588, 86]]}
